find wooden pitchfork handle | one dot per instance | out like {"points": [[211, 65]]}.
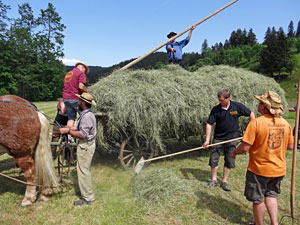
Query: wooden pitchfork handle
{"points": [[193, 149]]}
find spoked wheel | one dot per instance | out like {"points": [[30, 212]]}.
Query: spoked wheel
{"points": [[132, 150], [65, 158]]}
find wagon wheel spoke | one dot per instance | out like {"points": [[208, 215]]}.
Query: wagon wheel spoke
{"points": [[131, 151], [129, 161], [128, 156]]}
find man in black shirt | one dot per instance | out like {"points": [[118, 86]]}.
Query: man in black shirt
{"points": [[226, 116]]}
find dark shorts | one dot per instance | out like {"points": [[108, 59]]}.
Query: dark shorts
{"points": [[215, 153], [257, 187], [71, 108], [298, 133], [61, 120]]}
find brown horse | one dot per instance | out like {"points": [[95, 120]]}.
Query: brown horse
{"points": [[24, 134]]}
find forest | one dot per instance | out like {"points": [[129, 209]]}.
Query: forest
{"points": [[31, 50]]}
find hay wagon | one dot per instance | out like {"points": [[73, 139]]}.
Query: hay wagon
{"points": [[138, 110]]}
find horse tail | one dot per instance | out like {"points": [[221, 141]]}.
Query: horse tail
{"points": [[44, 166]]}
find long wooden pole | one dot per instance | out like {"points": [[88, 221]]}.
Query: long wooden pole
{"points": [[171, 39], [190, 150], [295, 151]]}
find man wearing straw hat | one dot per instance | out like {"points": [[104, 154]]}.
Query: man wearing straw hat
{"points": [[86, 132], [226, 116], [174, 48], [266, 139], [74, 82]]}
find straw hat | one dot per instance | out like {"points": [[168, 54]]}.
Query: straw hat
{"points": [[87, 70], [87, 98], [272, 101]]}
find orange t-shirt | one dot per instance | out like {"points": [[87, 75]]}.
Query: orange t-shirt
{"points": [[268, 142]]}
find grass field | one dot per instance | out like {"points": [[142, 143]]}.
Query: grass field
{"points": [[116, 204]]}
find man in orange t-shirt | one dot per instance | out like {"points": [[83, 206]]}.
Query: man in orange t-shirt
{"points": [[266, 139]]}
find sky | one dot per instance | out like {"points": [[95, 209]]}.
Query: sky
{"points": [[104, 33]]}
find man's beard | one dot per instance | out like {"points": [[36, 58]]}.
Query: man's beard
{"points": [[80, 107]]}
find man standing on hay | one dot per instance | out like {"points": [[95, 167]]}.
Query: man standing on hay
{"points": [[266, 139], [74, 82], [174, 48], [226, 116], [86, 132]]}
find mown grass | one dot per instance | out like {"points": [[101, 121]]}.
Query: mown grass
{"points": [[116, 204]]}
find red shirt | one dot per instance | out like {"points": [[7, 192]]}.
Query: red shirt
{"points": [[71, 83]]}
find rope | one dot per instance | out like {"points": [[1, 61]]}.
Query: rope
{"points": [[20, 181]]}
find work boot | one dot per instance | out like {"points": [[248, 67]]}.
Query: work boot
{"points": [[82, 202], [224, 186], [211, 183]]}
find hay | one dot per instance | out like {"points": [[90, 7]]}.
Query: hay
{"points": [[153, 105], [159, 185]]}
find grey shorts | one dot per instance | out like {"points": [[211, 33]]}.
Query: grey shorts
{"points": [[216, 151], [257, 187]]}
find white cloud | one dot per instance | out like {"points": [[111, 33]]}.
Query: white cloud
{"points": [[70, 62]]}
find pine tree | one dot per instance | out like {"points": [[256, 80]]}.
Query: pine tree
{"points": [[204, 45], [3, 19], [251, 38], [53, 30], [226, 44], [291, 32], [276, 56], [298, 30]]}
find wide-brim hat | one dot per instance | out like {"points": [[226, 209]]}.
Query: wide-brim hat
{"points": [[87, 70], [171, 34], [87, 97], [272, 101]]}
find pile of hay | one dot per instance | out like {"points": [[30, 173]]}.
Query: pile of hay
{"points": [[153, 105], [159, 185]]}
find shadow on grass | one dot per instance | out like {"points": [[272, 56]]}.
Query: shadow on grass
{"points": [[201, 175], [11, 186], [7, 164], [229, 210]]}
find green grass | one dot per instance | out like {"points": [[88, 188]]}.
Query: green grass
{"points": [[116, 204]]}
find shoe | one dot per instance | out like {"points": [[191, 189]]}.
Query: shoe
{"points": [[224, 186], [211, 183], [82, 202]]}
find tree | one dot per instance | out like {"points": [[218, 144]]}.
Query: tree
{"points": [[20, 38], [52, 33], [3, 18], [276, 57], [298, 30], [204, 47], [291, 32], [226, 44], [251, 38]]}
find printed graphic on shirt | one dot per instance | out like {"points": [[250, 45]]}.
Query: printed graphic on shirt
{"points": [[69, 76], [233, 113], [275, 138]]}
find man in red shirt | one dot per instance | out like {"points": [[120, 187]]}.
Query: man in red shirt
{"points": [[74, 85]]}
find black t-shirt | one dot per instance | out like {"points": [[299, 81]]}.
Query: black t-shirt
{"points": [[227, 121]]}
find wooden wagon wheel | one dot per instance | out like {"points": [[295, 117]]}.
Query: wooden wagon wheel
{"points": [[65, 157], [131, 151]]}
